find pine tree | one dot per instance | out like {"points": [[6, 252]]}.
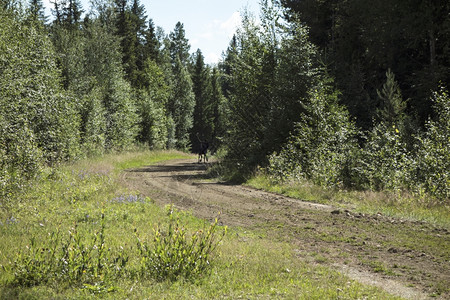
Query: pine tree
{"points": [[218, 110], [151, 43], [128, 39], [179, 45], [202, 117], [226, 67], [36, 11], [138, 20], [250, 99], [67, 13], [392, 106]]}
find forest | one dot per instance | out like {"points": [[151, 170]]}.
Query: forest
{"points": [[346, 94]]}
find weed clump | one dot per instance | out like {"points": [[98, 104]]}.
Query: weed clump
{"points": [[86, 261], [175, 253], [72, 259]]}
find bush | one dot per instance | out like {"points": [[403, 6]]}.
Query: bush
{"points": [[174, 254], [384, 162], [433, 158], [321, 146], [73, 260]]}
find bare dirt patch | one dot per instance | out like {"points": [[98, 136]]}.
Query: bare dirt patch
{"points": [[409, 259]]}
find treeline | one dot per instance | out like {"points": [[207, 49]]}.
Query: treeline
{"points": [[314, 94], [334, 93], [87, 83]]}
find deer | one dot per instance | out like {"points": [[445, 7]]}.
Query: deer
{"points": [[202, 153]]}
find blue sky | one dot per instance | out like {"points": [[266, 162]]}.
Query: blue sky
{"points": [[209, 24]]}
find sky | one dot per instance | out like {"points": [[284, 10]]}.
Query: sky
{"points": [[209, 24]]}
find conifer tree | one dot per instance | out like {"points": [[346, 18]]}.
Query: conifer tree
{"points": [[226, 66], [202, 117], [128, 39], [392, 106], [218, 109], [67, 13], [139, 29], [151, 43], [36, 11], [179, 45]]}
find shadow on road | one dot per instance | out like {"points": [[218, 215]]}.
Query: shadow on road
{"points": [[179, 171], [174, 168]]}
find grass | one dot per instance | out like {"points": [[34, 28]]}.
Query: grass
{"points": [[86, 205], [399, 205]]}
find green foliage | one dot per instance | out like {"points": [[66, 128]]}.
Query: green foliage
{"points": [[21, 159], [387, 163], [96, 76], [384, 161], [322, 144], [179, 45], [433, 155], [174, 254], [70, 45], [153, 127], [38, 120], [392, 104], [121, 118], [74, 260], [202, 127], [219, 110], [151, 103], [250, 100], [93, 123], [36, 12], [181, 104], [271, 67], [361, 39]]}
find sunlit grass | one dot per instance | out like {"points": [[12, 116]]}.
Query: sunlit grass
{"points": [[127, 160]]}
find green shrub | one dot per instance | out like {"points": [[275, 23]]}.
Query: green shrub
{"points": [[74, 260], [175, 253], [433, 158], [384, 161], [321, 145]]}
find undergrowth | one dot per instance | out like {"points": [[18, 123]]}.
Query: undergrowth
{"points": [[75, 259]]}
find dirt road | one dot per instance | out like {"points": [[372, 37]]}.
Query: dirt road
{"points": [[397, 255]]}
